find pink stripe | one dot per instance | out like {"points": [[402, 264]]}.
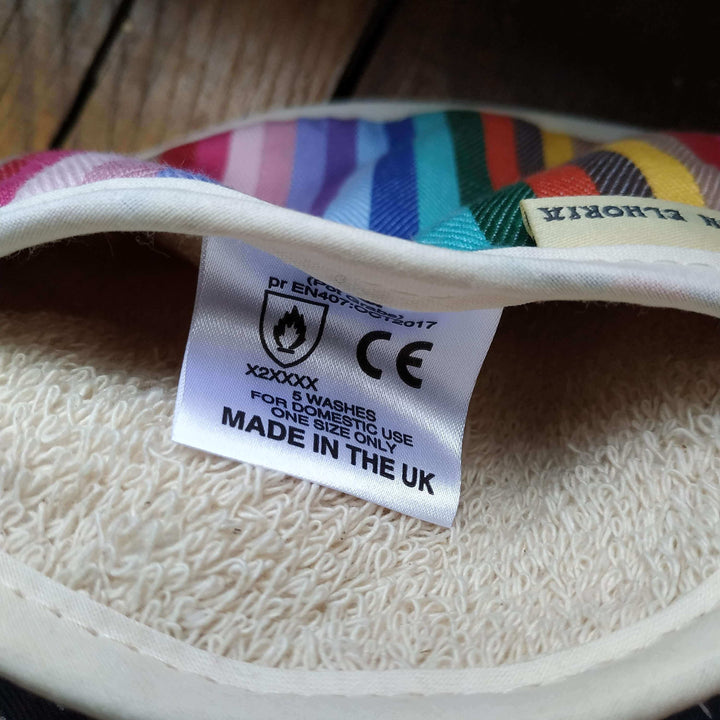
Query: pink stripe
{"points": [[122, 168], [243, 165], [27, 169], [67, 172], [277, 162]]}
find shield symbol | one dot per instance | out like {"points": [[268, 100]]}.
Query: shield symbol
{"points": [[290, 328]]}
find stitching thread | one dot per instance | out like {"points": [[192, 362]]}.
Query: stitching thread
{"points": [[95, 633]]}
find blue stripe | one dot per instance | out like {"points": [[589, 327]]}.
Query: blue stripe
{"points": [[394, 196], [458, 232]]}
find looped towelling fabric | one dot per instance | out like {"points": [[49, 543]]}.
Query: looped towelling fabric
{"points": [[589, 522]]}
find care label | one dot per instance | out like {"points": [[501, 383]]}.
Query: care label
{"points": [[586, 220], [285, 371]]}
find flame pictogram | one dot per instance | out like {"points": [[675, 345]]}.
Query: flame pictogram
{"points": [[290, 327], [290, 331]]}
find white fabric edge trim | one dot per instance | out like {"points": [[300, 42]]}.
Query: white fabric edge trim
{"points": [[80, 653], [375, 266], [387, 110]]}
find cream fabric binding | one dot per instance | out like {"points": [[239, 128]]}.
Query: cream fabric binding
{"points": [[382, 268]]}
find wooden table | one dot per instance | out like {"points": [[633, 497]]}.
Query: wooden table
{"points": [[126, 75]]}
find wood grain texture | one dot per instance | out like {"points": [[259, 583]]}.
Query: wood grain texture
{"points": [[182, 65], [645, 62], [45, 49]]}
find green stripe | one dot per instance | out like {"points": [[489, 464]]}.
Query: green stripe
{"points": [[469, 148], [435, 170], [499, 217]]}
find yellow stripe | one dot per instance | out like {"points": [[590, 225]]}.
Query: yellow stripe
{"points": [[557, 148], [667, 177]]}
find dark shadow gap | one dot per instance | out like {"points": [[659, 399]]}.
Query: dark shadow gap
{"points": [[90, 78], [19, 704], [365, 47]]}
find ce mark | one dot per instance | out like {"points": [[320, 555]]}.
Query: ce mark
{"points": [[405, 358]]}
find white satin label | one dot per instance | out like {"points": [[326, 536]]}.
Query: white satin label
{"points": [[285, 371]]}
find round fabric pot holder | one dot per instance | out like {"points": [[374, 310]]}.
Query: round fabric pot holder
{"points": [[578, 572]]}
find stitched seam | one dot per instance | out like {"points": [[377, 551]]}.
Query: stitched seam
{"points": [[608, 262], [95, 633], [715, 269]]}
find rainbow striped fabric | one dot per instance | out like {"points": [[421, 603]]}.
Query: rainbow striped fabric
{"points": [[453, 179]]}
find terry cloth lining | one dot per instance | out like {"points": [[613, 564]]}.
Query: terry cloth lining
{"points": [[590, 496]]}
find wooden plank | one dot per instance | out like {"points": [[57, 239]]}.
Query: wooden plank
{"points": [[181, 66], [643, 62], [45, 50]]}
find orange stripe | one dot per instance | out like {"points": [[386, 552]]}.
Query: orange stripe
{"points": [[563, 180], [500, 154]]}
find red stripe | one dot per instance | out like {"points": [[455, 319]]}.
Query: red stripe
{"points": [[562, 180], [706, 147], [500, 155], [12, 167], [182, 157], [208, 156]]}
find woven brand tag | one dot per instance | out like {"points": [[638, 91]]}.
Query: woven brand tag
{"points": [[285, 371], [619, 220]]}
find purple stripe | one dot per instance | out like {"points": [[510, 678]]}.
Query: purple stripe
{"points": [[309, 164], [528, 142], [340, 162]]}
